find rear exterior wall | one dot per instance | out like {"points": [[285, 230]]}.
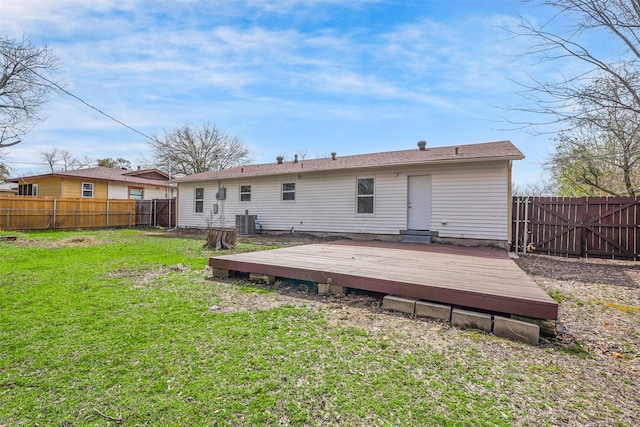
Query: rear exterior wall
{"points": [[469, 201]]}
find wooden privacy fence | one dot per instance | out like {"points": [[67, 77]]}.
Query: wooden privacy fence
{"points": [[39, 212], [601, 227], [156, 212]]}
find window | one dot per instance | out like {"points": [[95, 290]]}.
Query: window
{"points": [[136, 193], [365, 196], [87, 189], [28, 189], [245, 193], [289, 191], [199, 200]]}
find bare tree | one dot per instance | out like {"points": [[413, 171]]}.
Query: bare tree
{"points": [[189, 150], [24, 86], [50, 158], [619, 21], [58, 160], [596, 109]]}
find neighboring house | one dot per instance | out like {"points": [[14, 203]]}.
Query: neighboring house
{"points": [[457, 192], [8, 188], [99, 183]]}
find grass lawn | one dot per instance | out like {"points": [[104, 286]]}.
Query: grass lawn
{"points": [[116, 328]]}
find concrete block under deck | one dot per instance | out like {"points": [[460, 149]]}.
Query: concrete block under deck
{"points": [[516, 330], [436, 311], [401, 304], [471, 319]]}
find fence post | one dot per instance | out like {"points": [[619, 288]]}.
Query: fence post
{"points": [[55, 212], [517, 223], [526, 225], [130, 216], [77, 219], [8, 221], [107, 213]]}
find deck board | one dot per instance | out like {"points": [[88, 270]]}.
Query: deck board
{"points": [[480, 278]]}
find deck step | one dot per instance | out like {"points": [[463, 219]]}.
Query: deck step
{"points": [[412, 238], [418, 236]]}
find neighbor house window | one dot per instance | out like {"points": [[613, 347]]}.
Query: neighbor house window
{"points": [[199, 200], [289, 191], [28, 189], [245, 193], [136, 193], [365, 196], [87, 189]]}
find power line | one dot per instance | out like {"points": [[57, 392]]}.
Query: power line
{"points": [[56, 85]]}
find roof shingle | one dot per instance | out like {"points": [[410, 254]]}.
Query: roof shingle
{"points": [[500, 150]]}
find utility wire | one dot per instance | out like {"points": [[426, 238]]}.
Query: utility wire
{"points": [[57, 86]]}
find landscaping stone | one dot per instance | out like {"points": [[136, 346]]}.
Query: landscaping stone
{"points": [[471, 319], [220, 272], [323, 288], [516, 330], [401, 304], [337, 289], [436, 311], [261, 278]]}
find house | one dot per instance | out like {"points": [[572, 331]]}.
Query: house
{"points": [[99, 183], [8, 188], [459, 193]]}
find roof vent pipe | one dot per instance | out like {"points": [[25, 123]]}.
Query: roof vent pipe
{"points": [[422, 145], [333, 155], [279, 159], [455, 150], [295, 158]]}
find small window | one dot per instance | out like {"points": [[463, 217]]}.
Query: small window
{"points": [[87, 189], [245, 193], [28, 189], [289, 191], [136, 193], [365, 195], [199, 200]]}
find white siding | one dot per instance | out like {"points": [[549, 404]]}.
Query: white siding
{"points": [[121, 191], [117, 191], [471, 198], [471, 202], [155, 193]]}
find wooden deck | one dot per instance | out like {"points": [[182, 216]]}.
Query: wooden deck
{"points": [[475, 278]]}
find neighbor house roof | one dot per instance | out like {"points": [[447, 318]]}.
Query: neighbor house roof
{"points": [[500, 150], [101, 174]]}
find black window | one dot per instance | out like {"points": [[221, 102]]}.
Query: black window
{"points": [[245, 193], [289, 191], [365, 195], [199, 205]]}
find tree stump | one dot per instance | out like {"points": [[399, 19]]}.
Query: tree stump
{"points": [[220, 238]]}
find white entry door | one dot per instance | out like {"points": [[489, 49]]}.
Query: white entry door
{"points": [[419, 203]]}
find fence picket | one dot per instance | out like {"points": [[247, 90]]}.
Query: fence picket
{"points": [[605, 227]]}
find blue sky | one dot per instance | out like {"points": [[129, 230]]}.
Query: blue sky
{"points": [[286, 76]]}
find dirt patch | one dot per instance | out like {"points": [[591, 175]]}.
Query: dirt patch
{"points": [[76, 241], [610, 272]]}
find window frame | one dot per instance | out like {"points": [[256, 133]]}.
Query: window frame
{"points": [[198, 203], [92, 190], [288, 192], [141, 189], [243, 192], [362, 196], [28, 189]]}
